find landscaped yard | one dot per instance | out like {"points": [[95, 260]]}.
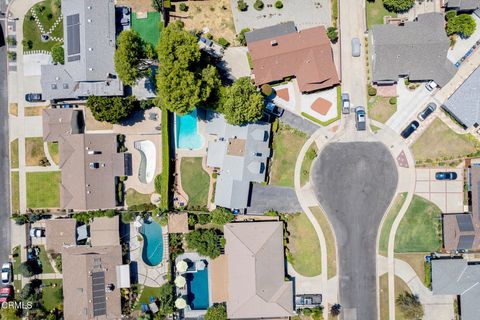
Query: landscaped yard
{"points": [[439, 142], [53, 151], [375, 13], [387, 224], [195, 182], [52, 294], [14, 184], [329, 239], [48, 12], [147, 292], [46, 265], [304, 246], [307, 164], [380, 108], [420, 229], [43, 189], [148, 28], [16, 260], [400, 287], [287, 143], [34, 151], [133, 197], [416, 261], [14, 154]]}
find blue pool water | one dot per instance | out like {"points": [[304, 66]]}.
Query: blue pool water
{"points": [[152, 252], [187, 133], [197, 290]]}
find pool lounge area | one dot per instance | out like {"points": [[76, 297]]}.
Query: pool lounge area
{"points": [[186, 132]]}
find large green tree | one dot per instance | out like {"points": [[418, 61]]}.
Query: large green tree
{"points": [[216, 312], [204, 241], [463, 25], [398, 5], [221, 216], [111, 109], [242, 103], [128, 56], [410, 306]]}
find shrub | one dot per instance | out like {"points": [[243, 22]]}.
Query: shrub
{"points": [[463, 25], [410, 306], [242, 5], [209, 36], [128, 216], [266, 89], [332, 34], [183, 7], [26, 269], [12, 56], [11, 40], [221, 216], [406, 81], [58, 55], [241, 36], [158, 183], [278, 4], [205, 241], [372, 91], [258, 5], [275, 125], [204, 219], [398, 5], [214, 175], [450, 14], [392, 101], [216, 312], [223, 42]]}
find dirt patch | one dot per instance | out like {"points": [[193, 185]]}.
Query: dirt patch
{"points": [[137, 5], [321, 106], [34, 111], [93, 124], [283, 94], [13, 109], [34, 151]]}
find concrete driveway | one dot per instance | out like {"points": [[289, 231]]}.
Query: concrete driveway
{"points": [[266, 198], [446, 194], [355, 182], [235, 62]]}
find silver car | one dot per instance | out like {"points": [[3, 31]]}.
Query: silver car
{"points": [[355, 47], [345, 103]]}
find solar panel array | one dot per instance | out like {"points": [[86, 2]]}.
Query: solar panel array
{"points": [[464, 222], [73, 34], [466, 242], [98, 294]]}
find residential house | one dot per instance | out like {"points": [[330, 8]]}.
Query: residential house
{"points": [[462, 6], [281, 52], [415, 49], [60, 233], [89, 37]]}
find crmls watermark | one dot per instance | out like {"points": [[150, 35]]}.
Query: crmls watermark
{"points": [[17, 305]]}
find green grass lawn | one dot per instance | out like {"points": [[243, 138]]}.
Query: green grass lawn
{"points": [[16, 259], [43, 189], [195, 181], [133, 197], [307, 164], [53, 151], [387, 224], [304, 246], [14, 183], [52, 296], [149, 28], [46, 265], [420, 229], [329, 239], [47, 18], [376, 11], [380, 109], [440, 142], [34, 151], [14, 154], [287, 143], [400, 287], [147, 292]]}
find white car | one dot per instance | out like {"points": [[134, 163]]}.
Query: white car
{"points": [[37, 233], [431, 85], [7, 273]]}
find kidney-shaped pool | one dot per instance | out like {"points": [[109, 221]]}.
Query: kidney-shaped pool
{"points": [[152, 252]]}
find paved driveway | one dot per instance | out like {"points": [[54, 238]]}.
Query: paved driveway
{"points": [[355, 182], [265, 198], [298, 122]]}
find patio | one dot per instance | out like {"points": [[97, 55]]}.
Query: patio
{"points": [[316, 104]]}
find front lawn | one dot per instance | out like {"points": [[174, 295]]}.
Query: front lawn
{"points": [[48, 12], [148, 28], [134, 198], [16, 260], [400, 287], [43, 189], [380, 108], [329, 239], [416, 261], [439, 142], [14, 184], [52, 295], [310, 155], [195, 182], [34, 151], [287, 143], [387, 224], [420, 229], [376, 11], [46, 265], [304, 246], [53, 151], [14, 154], [33, 111]]}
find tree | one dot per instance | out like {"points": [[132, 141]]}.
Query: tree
{"points": [[242, 5], [216, 312], [157, 5], [128, 55], [335, 309], [204, 241], [183, 7], [450, 14], [27, 269], [463, 25], [278, 4], [9, 314], [398, 5], [111, 109], [410, 305], [258, 5], [222, 216], [332, 34], [242, 102], [177, 46], [58, 54], [241, 36], [166, 299]]}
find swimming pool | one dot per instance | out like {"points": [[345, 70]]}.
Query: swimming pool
{"points": [[197, 289], [152, 252], [187, 133]]}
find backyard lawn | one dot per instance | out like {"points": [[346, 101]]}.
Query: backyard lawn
{"points": [[14, 184], [304, 246], [133, 197], [52, 294], [147, 292], [387, 224], [43, 189], [329, 239], [46, 265], [148, 28], [439, 142], [287, 143], [307, 164], [53, 151], [400, 287], [380, 109], [48, 12], [14, 154], [420, 229], [376, 11], [34, 151], [195, 182]]}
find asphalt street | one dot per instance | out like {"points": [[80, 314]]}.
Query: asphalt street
{"points": [[355, 182]]}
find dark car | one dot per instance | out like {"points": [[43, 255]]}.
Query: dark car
{"points": [[33, 97], [407, 132], [6, 294], [271, 108], [446, 176], [427, 111]]}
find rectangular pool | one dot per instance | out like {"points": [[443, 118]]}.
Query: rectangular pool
{"points": [[197, 290], [186, 132]]}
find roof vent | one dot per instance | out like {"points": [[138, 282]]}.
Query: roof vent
{"points": [[57, 78], [90, 69], [90, 49], [89, 20], [274, 43], [89, 7]]}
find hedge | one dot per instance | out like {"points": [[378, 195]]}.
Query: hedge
{"points": [[165, 192], [339, 111]]}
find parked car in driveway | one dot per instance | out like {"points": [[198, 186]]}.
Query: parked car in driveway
{"points": [[407, 132], [6, 294], [37, 233], [446, 176], [431, 85], [427, 111], [355, 47], [7, 273], [345, 103], [33, 97], [273, 109], [360, 118]]}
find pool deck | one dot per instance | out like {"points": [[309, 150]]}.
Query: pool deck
{"points": [[147, 275]]}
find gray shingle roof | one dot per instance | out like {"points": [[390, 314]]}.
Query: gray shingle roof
{"points": [[417, 49], [270, 32], [463, 5]]}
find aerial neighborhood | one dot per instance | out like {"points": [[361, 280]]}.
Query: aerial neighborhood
{"points": [[241, 159]]}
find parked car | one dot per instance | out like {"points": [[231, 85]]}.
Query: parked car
{"points": [[37, 233], [407, 132], [345, 103], [273, 109], [360, 118], [355, 47], [33, 97], [427, 111], [6, 294], [446, 176], [431, 85], [68, 105], [7, 273]]}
